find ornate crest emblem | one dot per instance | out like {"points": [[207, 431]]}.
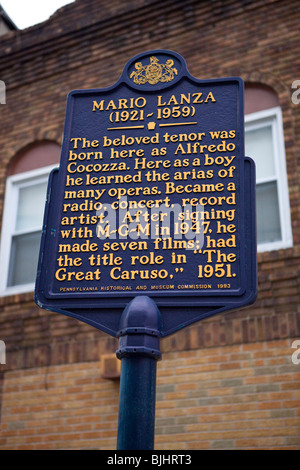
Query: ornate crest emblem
{"points": [[154, 72]]}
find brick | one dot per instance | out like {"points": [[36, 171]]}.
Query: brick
{"points": [[248, 443], [223, 444]]}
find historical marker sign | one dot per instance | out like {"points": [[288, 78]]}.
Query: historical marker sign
{"points": [[153, 196]]}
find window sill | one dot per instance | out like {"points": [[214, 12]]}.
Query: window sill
{"points": [[275, 254], [17, 294], [275, 246]]}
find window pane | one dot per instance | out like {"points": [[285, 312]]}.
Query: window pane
{"points": [[259, 146], [268, 221], [31, 206], [24, 259]]}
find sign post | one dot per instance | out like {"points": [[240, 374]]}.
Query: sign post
{"points": [[139, 351], [151, 210]]}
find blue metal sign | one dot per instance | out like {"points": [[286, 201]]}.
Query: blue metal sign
{"points": [[153, 197]]}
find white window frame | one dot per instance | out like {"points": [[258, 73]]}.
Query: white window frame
{"points": [[13, 184], [273, 117]]}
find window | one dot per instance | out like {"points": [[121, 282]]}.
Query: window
{"points": [[22, 223], [264, 143], [24, 206]]}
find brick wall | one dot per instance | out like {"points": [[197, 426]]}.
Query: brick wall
{"points": [[217, 375], [235, 397], [59, 407]]}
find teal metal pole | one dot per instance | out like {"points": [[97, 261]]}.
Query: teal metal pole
{"points": [[139, 352]]}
